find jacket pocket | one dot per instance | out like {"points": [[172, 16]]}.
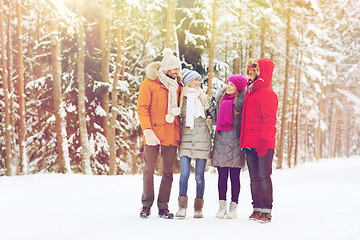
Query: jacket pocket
{"points": [[158, 126]]}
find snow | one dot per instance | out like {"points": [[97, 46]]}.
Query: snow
{"points": [[316, 200]]}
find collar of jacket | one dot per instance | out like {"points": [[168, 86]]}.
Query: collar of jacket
{"points": [[151, 72]]}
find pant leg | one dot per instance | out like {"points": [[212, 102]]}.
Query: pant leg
{"points": [[184, 175], [235, 184], [168, 155], [265, 171], [222, 182], [150, 157], [199, 177], [253, 165]]}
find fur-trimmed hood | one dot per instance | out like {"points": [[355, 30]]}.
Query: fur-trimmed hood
{"points": [[152, 68]]}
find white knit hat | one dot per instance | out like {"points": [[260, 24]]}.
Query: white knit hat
{"points": [[169, 61]]}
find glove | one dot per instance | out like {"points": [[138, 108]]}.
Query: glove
{"points": [[208, 121], [262, 148], [150, 137]]}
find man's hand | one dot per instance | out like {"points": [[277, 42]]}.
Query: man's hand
{"points": [[262, 148], [208, 121], [150, 137]]}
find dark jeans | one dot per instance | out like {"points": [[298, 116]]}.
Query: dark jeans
{"points": [[260, 169], [235, 182], [168, 155]]}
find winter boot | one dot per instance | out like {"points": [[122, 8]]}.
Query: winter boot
{"points": [[145, 212], [264, 218], [183, 201], [198, 206], [222, 209], [166, 214], [255, 215], [232, 210]]}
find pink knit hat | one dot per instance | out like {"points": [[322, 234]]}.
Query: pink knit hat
{"points": [[239, 81]]}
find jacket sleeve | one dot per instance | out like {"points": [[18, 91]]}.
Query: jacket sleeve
{"points": [[211, 111], [143, 105], [269, 106]]}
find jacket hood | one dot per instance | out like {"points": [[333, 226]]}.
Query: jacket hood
{"points": [[266, 67], [151, 71]]}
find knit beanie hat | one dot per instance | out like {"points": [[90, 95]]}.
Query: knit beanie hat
{"points": [[169, 61], [239, 81], [189, 75]]}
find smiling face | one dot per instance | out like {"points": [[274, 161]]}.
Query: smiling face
{"points": [[195, 83], [172, 73], [251, 75], [230, 88]]}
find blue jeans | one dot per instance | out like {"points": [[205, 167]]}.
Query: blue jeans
{"points": [[260, 169], [199, 176]]}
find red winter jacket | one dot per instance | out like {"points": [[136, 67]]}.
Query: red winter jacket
{"points": [[259, 111]]}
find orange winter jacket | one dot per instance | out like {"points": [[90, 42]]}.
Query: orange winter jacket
{"points": [[152, 107]]}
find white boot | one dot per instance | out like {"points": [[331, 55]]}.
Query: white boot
{"points": [[232, 210], [222, 209]]}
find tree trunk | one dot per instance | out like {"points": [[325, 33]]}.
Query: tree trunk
{"points": [[285, 96], [306, 137], [11, 86], [297, 125], [226, 50], [337, 136], [4, 76], [59, 111], [105, 61], [349, 129], [262, 37], [84, 138], [292, 122], [331, 122], [212, 49], [170, 25], [253, 38], [20, 91], [120, 68], [318, 135], [39, 66], [291, 128]]}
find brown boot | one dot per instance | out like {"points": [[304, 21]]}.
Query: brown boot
{"points": [[183, 201], [255, 215], [198, 206], [264, 218]]}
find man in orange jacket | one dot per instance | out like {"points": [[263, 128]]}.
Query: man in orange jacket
{"points": [[158, 112]]}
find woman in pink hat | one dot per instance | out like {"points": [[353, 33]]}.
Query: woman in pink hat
{"points": [[227, 156]]}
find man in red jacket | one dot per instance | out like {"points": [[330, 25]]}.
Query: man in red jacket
{"points": [[258, 129]]}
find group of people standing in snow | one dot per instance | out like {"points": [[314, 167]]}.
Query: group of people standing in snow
{"points": [[175, 116]]}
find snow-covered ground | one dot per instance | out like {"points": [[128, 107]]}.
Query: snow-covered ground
{"points": [[317, 200]]}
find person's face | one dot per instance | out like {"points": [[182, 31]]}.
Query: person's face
{"points": [[230, 88], [172, 73], [195, 83], [251, 75]]}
